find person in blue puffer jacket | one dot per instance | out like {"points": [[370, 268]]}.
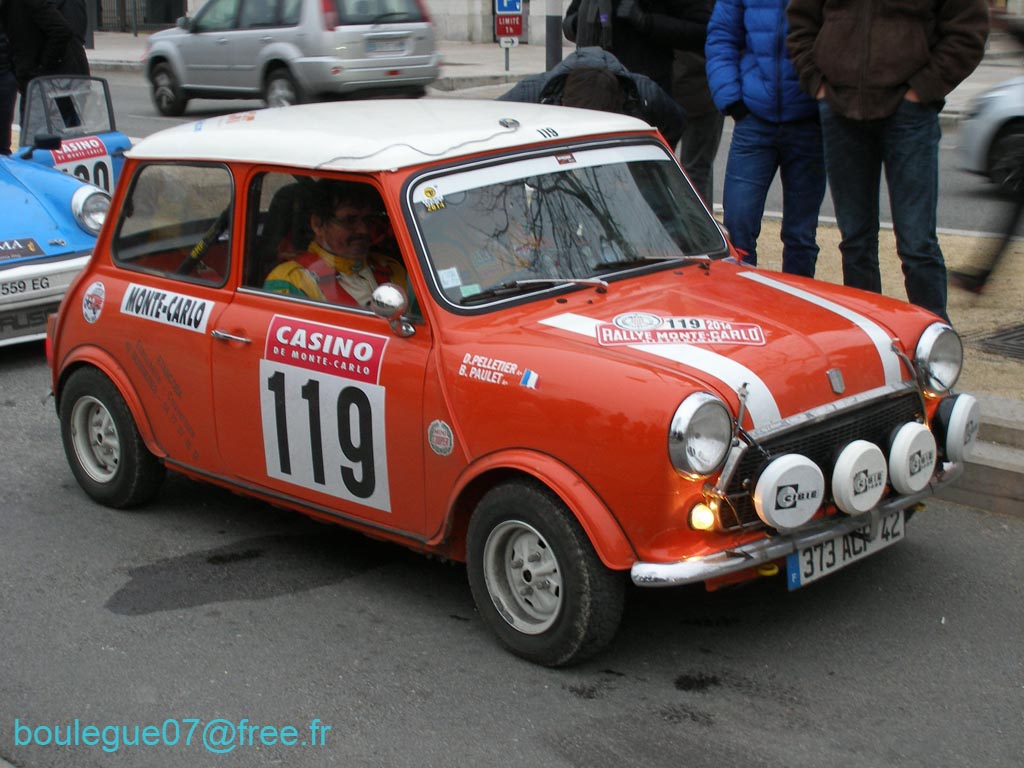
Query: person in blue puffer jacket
{"points": [[776, 128]]}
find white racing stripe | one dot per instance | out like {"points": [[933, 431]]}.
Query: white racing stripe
{"points": [[891, 365], [761, 405]]}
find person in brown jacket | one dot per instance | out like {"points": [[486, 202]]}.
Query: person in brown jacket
{"points": [[880, 70]]}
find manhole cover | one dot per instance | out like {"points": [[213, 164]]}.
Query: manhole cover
{"points": [[1005, 341]]}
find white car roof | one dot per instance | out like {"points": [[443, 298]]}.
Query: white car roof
{"points": [[376, 134]]}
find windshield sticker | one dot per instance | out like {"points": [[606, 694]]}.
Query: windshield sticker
{"points": [[167, 307], [432, 199], [325, 348], [21, 246], [92, 302], [495, 371], [449, 277], [646, 328], [440, 437]]}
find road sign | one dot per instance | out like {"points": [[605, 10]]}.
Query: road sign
{"points": [[508, 25], [508, 42], [508, 6]]}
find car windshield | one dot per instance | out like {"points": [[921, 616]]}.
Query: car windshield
{"points": [[568, 218], [68, 107]]}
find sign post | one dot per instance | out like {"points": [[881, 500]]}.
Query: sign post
{"points": [[508, 24]]}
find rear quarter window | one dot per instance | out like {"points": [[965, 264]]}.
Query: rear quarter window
{"points": [[378, 11], [175, 222]]}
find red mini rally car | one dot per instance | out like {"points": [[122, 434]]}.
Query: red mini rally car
{"points": [[551, 368]]}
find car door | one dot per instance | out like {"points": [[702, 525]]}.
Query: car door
{"points": [[258, 27], [207, 52], [321, 404]]}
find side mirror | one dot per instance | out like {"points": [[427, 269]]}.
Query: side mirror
{"points": [[184, 22], [47, 141], [389, 302]]}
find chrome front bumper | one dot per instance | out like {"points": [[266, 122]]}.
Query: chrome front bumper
{"points": [[696, 569]]}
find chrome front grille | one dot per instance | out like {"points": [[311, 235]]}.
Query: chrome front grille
{"points": [[819, 440]]}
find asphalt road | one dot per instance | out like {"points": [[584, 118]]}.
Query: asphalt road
{"points": [[205, 605], [966, 202]]}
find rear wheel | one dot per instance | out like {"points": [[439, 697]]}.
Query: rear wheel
{"points": [[281, 89], [168, 97], [536, 579], [107, 455]]}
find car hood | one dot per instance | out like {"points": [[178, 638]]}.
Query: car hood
{"points": [[36, 220], [790, 343]]}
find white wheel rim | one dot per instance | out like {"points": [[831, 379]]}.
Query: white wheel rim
{"points": [[523, 577], [280, 94], [95, 439], [164, 90]]}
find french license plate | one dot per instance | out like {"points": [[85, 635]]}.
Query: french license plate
{"points": [[380, 47], [818, 560]]}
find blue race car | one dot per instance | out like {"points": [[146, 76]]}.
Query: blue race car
{"points": [[77, 111], [49, 220]]}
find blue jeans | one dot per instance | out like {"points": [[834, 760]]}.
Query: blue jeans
{"points": [[759, 149], [906, 144]]}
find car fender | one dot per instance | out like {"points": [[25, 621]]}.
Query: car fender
{"points": [[167, 54], [281, 54], [101, 360], [594, 516]]}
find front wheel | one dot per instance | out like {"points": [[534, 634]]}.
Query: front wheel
{"points": [[168, 97], [536, 579], [104, 448], [1006, 159]]}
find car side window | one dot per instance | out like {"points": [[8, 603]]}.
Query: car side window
{"points": [[291, 11], [257, 14], [318, 238], [176, 222], [217, 16]]}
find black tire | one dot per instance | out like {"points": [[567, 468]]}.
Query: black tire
{"points": [[168, 97], [281, 90], [572, 609], [107, 455], [1006, 159]]}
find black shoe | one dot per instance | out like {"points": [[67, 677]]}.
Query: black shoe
{"points": [[968, 282]]}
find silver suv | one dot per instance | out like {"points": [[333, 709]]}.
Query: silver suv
{"points": [[289, 51]]}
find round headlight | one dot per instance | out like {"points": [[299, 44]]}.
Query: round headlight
{"points": [[89, 206], [700, 434], [939, 358]]}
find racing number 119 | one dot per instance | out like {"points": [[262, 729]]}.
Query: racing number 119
{"points": [[359, 451]]}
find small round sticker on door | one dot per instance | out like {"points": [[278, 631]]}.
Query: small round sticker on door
{"points": [[440, 437], [92, 302]]}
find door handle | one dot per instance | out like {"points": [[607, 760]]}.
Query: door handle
{"points": [[225, 336]]}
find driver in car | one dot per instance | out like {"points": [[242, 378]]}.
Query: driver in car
{"points": [[339, 265]]}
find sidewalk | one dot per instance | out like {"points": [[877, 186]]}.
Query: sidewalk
{"points": [[995, 479]]}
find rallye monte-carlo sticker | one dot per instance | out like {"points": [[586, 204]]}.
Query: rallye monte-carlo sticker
{"points": [[322, 410]]}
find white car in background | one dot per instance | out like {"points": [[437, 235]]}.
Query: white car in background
{"points": [[992, 135], [291, 51]]}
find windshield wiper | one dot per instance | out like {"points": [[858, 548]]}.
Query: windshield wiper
{"points": [[514, 287], [625, 263]]}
